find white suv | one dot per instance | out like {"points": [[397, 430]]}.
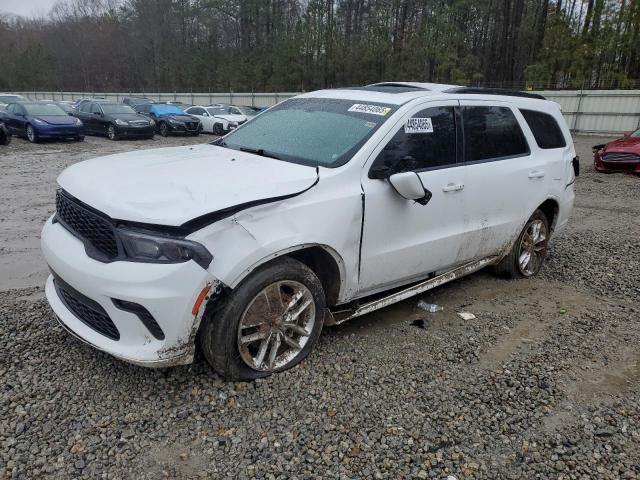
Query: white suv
{"points": [[327, 206]]}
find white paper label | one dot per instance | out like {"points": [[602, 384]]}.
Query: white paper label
{"points": [[372, 109], [418, 125]]}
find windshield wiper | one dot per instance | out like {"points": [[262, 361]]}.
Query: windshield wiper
{"points": [[259, 151]]}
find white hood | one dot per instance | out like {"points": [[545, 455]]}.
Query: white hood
{"points": [[170, 186]]}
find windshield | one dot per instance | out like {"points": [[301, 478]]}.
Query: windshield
{"points": [[635, 134], [115, 108], [311, 131], [11, 98], [167, 110], [43, 109], [66, 107], [247, 111], [217, 111]]}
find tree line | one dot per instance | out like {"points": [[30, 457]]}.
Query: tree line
{"points": [[301, 45]]}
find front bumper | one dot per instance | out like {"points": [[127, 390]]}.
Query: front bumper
{"points": [[167, 291], [59, 131], [131, 132], [184, 129], [630, 166]]}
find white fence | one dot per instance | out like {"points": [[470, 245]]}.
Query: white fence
{"points": [[588, 111]]}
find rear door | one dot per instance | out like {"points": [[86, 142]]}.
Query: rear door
{"points": [[506, 177], [403, 240], [11, 120]]}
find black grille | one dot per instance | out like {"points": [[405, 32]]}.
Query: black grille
{"points": [[86, 310], [90, 227], [620, 157], [191, 125]]}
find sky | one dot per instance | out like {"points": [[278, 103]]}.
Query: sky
{"points": [[26, 8]]}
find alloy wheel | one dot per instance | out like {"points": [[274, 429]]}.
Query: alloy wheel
{"points": [[533, 248], [164, 130], [31, 134], [111, 132], [276, 326]]}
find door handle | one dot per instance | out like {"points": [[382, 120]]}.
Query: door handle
{"points": [[536, 174], [453, 187]]}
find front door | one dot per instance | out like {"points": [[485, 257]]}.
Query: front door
{"points": [[403, 240]]}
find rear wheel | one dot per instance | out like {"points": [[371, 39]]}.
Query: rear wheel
{"points": [[530, 250], [32, 136], [111, 132], [269, 324]]}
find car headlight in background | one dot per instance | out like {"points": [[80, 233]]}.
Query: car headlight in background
{"points": [[175, 122], [144, 247], [37, 121], [152, 123], [121, 122], [78, 122]]}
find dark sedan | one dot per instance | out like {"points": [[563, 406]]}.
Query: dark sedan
{"points": [[115, 120], [36, 121], [621, 155], [171, 119]]}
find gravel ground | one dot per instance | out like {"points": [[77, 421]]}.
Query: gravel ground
{"points": [[544, 383]]}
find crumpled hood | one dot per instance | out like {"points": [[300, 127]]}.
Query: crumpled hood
{"points": [[170, 186], [624, 145]]}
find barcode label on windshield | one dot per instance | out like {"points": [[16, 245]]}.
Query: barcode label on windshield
{"points": [[372, 109]]}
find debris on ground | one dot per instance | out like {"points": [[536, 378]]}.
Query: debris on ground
{"points": [[429, 307], [466, 315], [421, 323]]}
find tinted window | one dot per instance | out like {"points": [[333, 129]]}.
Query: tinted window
{"points": [[95, 108], [143, 108], [44, 109], [85, 107], [196, 111], [545, 129], [491, 133], [426, 140], [117, 108], [11, 107]]}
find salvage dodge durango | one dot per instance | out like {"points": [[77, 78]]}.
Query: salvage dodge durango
{"points": [[327, 206]]}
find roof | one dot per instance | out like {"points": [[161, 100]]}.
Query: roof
{"points": [[398, 93]]}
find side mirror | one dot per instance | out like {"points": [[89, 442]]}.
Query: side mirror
{"points": [[205, 114], [409, 185]]}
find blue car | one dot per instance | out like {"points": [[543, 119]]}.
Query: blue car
{"points": [[170, 119], [36, 121]]}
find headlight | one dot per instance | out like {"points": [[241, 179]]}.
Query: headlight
{"points": [[175, 122], [78, 121], [143, 247], [233, 124], [37, 121], [152, 123], [121, 122]]}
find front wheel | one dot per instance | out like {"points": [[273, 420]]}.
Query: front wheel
{"points": [[270, 322], [32, 136], [530, 250], [79, 138], [218, 130], [164, 129], [111, 132]]}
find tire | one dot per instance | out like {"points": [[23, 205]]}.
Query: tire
{"points": [[5, 136], [163, 128], [79, 138], [281, 281], [112, 133], [32, 136], [516, 264], [217, 129]]}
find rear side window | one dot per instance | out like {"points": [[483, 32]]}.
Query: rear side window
{"points": [[492, 133], [545, 129], [426, 140]]}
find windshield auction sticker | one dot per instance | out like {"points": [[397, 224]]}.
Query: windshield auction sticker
{"points": [[418, 125], [372, 109]]}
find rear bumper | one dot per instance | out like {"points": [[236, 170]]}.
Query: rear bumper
{"points": [[167, 291]]}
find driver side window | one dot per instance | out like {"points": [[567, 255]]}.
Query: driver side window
{"points": [[95, 108], [426, 140]]}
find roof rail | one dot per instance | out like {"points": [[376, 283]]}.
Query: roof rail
{"points": [[494, 91]]}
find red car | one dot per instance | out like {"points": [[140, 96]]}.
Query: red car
{"points": [[621, 155]]}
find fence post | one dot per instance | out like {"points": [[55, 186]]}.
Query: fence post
{"points": [[577, 115]]}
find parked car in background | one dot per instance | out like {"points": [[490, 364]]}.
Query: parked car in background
{"points": [[328, 206], [115, 120], [36, 121], [171, 119], [134, 101], [621, 155], [83, 100], [181, 105], [239, 113], [215, 120], [5, 136], [7, 98]]}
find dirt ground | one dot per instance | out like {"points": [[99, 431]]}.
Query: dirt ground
{"points": [[544, 383]]}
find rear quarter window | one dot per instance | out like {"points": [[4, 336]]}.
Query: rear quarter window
{"points": [[492, 133], [545, 129]]}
